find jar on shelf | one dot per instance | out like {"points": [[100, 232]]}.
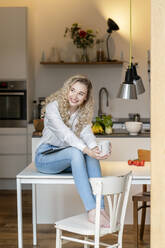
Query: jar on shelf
{"points": [[100, 50], [35, 110], [53, 56], [43, 58]]}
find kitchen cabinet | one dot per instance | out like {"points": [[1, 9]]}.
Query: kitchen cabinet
{"points": [[126, 148], [15, 154], [11, 165], [13, 143], [55, 198], [13, 42], [13, 151]]}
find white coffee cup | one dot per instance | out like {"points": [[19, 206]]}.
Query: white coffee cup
{"points": [[104, 147]]}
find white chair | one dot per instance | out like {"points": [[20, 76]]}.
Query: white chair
{"points": [[116, 189]]}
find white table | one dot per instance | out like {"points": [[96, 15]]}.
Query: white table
{"points": [[141, 175]]}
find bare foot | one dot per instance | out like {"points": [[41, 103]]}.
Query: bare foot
{"points": [[103, 221], [105, 214]]}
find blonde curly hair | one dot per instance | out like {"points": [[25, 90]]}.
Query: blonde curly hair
{"points": [[85, 112]]}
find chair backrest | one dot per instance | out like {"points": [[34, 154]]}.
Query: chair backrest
{"points": [[116, 189], [144, 155]]}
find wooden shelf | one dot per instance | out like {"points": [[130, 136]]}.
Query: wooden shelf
{"points": [[82, 63]]}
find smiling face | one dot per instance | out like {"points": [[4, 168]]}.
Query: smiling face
{"points": [[77, 95]]}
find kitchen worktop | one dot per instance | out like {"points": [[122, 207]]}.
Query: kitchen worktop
{"points": [[123, 120], [120, 133], [118, 120], [119, 130], [123, 135]]}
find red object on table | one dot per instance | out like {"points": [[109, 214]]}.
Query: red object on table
{"points": [[136, 162]]}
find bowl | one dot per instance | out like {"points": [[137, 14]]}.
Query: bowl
{"points": [[133, 127]]}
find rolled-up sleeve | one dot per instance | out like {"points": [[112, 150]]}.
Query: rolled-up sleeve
{"points": [[56, 124], [88, 137]]}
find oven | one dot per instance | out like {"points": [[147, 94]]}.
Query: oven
{"points": [[13, 104]]}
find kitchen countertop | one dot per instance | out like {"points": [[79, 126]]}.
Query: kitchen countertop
{"points": [[117, 133], [119, 130], [118, 120], [123, 135], [123, 120]]}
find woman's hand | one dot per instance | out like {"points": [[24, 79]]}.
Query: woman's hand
{"points": [[95, 153], [96, 149]]}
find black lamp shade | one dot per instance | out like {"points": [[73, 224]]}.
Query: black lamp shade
{"points": [[129, 76], [127, 89], [137, 80], [112, 26]]}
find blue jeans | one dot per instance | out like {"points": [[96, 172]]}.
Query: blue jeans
{"points": [[71, 160]]}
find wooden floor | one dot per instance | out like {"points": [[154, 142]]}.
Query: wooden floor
{"points": [[46, 233]]}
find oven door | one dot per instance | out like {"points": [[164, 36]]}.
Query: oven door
{"points": [[13, 108]]}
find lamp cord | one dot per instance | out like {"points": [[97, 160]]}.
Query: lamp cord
{"points": [[130, 36]]}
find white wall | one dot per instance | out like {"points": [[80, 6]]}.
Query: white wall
{"points": [[47, 22]]}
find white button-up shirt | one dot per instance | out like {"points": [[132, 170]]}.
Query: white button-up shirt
{"points": [[58, 134]]}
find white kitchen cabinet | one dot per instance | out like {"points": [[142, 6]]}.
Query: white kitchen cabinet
{"points": [[11, 144], [55, 202], [12, 164], [122, 148], [13, 151], [126, 148], [13, 42]]}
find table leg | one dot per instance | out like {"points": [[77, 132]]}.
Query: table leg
{"points": [[142, 226], [19, 213], [135, 221], [34, 214]]}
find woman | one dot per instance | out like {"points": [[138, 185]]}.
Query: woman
{"points": [[67, 125]]}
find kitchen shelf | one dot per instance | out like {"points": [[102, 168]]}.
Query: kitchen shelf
{"points": [[82, 63]]}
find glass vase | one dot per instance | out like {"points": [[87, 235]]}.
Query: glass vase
{"points": [[84, 56], [100, 50]]}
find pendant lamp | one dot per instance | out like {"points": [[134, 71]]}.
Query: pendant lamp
{"points": [[133, 84], [127, 89], [137, 80]]}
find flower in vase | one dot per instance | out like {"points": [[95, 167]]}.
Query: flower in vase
{"points": [[81, 38]]}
